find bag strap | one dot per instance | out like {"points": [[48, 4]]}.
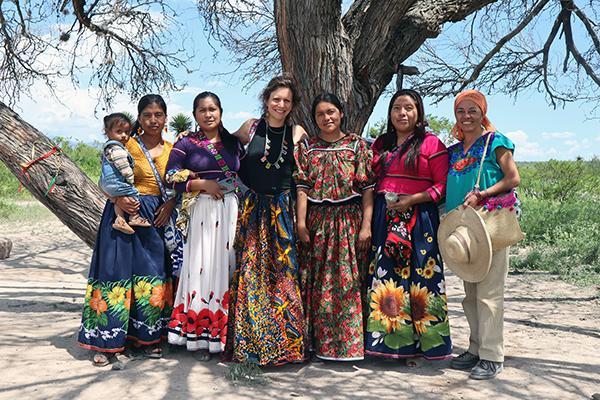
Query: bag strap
{"points": [[206, 144], [159, 182], [487, 142]]}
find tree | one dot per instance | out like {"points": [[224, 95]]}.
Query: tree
{"points": [[131, 47], [441, 126], [180, 122]]}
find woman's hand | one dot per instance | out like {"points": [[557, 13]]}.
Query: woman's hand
{"points": [[213, 188], [402, 205], [364, 238], [128, 204], [163, 213], [181, 135], [303, 234], [472, 198]]}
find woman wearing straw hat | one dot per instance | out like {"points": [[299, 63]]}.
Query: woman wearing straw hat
{"points": [[472, 184]]}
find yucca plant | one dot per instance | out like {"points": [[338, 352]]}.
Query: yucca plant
{"points": [[180, 122]]}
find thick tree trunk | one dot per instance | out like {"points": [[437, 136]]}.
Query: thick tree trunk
{"points": [[355, 56], [76, 201]]}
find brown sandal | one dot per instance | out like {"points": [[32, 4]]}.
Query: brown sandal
{"points": [[100, 360], [136, 220]]}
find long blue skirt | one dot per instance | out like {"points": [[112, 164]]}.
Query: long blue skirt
{"points": [[129, 291], [408, 312]]}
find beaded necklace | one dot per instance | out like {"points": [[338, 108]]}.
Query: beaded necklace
{"points": [[282, 150]]}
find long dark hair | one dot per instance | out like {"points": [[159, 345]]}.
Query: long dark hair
{"points": [[286, 80], [389, 138], [327, 98], [144, 102], [230, 142]]}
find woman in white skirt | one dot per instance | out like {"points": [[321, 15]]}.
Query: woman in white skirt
{"points": [[203, 166]]}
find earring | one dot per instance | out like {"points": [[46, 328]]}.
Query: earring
{"points": [[139, 131], [166, 129]]}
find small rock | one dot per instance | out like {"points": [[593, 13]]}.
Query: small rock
{"points": [[5, 248], [596, 396]]}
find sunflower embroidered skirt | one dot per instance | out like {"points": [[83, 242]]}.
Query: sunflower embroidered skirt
{"points": [[408, 312], [332, 281], [199, 319], [129, 291], [266, 323]]}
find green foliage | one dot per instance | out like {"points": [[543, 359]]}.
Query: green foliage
{"points": [[180, 122], [246, 373], [441, 126], [378, 129], [561, 219], [86, 156]]}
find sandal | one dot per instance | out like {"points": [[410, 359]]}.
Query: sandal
{"points": [[136, 220], [153, 352], [122, 226], [100, 360]]}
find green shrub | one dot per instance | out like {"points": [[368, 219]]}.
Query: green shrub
{"points": [[561, 219]]}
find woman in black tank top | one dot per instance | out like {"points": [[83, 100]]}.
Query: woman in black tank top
{"points": [[266, 320]]}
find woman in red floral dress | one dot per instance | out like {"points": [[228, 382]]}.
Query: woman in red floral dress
{"points": [[335, 203]]}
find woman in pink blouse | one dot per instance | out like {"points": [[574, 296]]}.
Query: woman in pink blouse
{"points": [[408, 315]]}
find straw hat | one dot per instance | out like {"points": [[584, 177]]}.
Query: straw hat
{"points": [[465, 244]]}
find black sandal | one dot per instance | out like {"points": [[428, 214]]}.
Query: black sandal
{"points": [[153, 352]]}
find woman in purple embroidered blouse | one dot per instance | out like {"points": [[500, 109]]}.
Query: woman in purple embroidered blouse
{"points": [[203, 166], [408, 315]]}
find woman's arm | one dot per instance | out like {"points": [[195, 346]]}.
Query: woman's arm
{"points": [[243, 133], [364, 236], [301, 206], [510, 180], [298, 133]]}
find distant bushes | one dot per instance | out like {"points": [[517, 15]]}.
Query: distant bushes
{"points": [[561, 217]]}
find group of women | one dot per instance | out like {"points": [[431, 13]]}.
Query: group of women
{"points": [[328, 252]]}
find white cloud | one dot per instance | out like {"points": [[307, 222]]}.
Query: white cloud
{"points": [[238, 115], [558, 135], [526, 150]]}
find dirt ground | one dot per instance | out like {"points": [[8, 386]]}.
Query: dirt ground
{"points": [[552, 334]]}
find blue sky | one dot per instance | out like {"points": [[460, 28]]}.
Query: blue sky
{"points": [[539, 131]]}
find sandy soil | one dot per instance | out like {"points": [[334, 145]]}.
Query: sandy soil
{"points": [[552, 343]]}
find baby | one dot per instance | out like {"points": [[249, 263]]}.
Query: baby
{"points": [[116, 179]]}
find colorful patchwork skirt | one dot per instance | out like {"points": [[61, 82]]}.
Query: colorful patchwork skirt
{"points": [[408, 312], [129, 292], [266, 323], [332, 281], [199, 319]]}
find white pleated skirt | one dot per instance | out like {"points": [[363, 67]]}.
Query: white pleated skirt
{"points": [[199, 319]]}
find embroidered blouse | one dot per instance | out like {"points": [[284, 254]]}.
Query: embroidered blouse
{"points": [[144, 179], [333, 171], [464, 167], [429, 176], [191, 153]]}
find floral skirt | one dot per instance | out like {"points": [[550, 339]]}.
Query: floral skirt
{"points": [[266, 323], [332, 276], [199, 319], [408, 312], [129, 292]]}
